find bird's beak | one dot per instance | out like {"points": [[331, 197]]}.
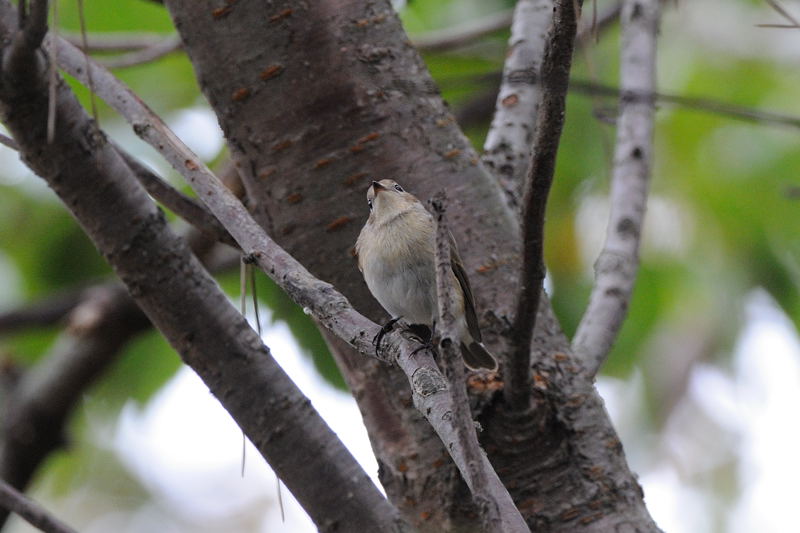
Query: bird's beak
{"points": [[377, 187]]}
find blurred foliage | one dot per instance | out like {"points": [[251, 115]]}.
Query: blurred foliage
{"points": [[729, 221]]}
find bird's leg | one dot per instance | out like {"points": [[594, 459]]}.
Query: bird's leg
{"points": [[386, 328], [425, 336]]}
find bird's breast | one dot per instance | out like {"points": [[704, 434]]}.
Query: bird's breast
{"points": [[398, 266]]}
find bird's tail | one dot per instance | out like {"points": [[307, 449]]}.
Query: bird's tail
{"points": [[477, 356]]}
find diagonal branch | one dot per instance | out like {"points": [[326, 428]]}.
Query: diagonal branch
{"points": [[116, 41], [32, 512], [616, 267], [185, 207], [37, 409], [702, 104], [42, 313], [497, 508], [793, 23], [508, 142], [550, 122], [450, 38], [149, 54]]}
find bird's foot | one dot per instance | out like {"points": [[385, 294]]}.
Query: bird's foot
{"points": [[424, 335], [386, 328]]}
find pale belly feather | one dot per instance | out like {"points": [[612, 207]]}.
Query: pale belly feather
{"points": [[403, 289]]}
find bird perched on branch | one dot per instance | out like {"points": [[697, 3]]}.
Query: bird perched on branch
{"points": [[396, 250]]}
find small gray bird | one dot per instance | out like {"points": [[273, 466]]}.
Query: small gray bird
{"points": [[396, 255]]}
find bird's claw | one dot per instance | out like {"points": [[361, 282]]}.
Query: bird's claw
{"points": [[386, 328]]}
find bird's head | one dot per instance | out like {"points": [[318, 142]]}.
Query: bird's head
{"points": [[386, 198]]}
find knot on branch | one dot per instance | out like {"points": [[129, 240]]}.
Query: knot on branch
{"points": [[427, 382], [613, 262]]}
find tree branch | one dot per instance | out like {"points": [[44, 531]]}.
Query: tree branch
{"points": [[550, 122], [616, 267], [707, 105], [450, 38], [115, 42], [43, 313], [498, 511], [39, 401], [9, 142], [185, 207], [31, 511], [793, 23], [184, 302], [508, 142], [37, 408], [156, 51]]}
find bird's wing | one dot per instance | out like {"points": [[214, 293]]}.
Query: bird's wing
{"points": [[469, 300]]}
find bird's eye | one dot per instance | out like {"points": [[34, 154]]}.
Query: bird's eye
{"points": [[369, 203], [398, 188]]}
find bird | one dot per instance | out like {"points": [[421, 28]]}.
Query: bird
{"points": [[396, 255]]}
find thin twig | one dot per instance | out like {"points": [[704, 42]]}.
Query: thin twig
{"points": [[459, 36], [146, 55], [32, 512], [8, 141], [555, 80], [478, 478], [115, 42], [785, 14], [616, 267], [185, 207], [85, 48], [601, 21], [707, 105]]}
